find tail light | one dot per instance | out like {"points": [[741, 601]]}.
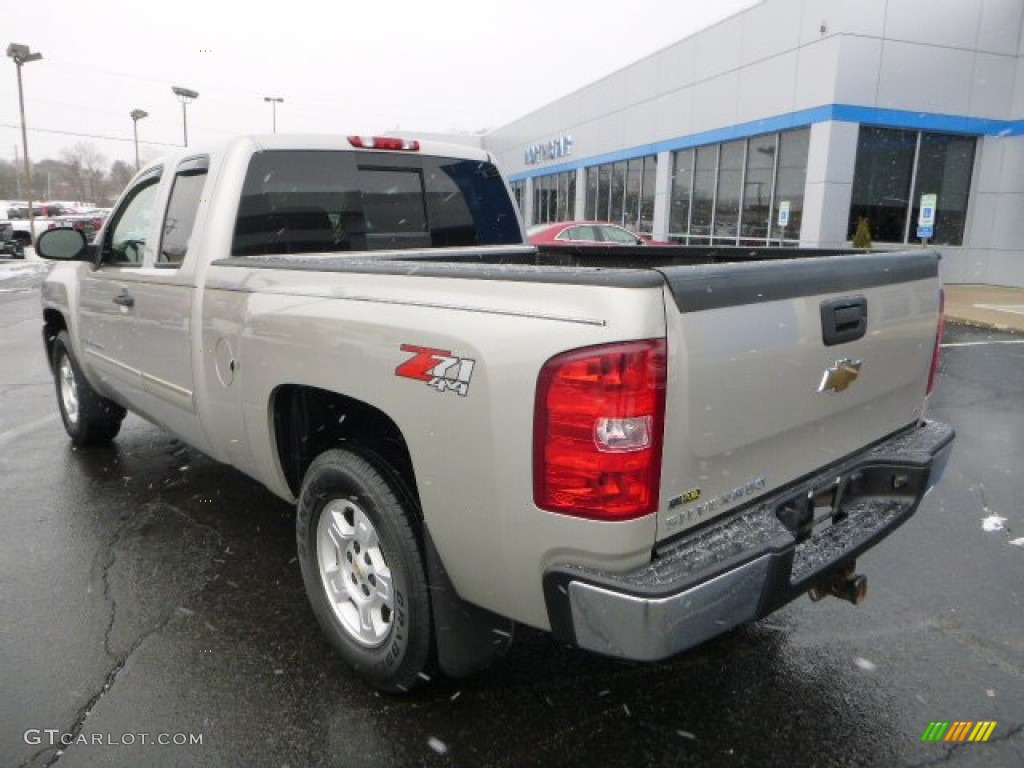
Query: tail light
{"points": [[938, 342], [598, 429], [383, 142]]}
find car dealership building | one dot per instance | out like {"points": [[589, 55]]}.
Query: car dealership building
{"points": [[794, 120]]}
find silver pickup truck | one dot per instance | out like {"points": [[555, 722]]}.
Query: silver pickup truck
{"points": [[636, 450]]}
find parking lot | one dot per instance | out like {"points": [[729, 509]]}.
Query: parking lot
{"points": [[153, 614]]}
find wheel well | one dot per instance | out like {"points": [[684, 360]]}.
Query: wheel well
{"points": [[309, 421], [53, 323]]}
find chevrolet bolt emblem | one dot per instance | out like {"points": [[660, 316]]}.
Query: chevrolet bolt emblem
{"points": [[840, 375]]}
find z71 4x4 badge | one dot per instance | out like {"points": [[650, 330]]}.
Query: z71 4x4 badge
{"points": [[438, 368]]}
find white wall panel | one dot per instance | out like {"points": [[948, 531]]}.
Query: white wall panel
{"points": [[925, 78], [638, 124], [854, 17], [967, 265], [1005, 268], [766, 88], [641, 81], [718, 48], [1012, 166], [832, 153], [826, 214], [952, 24], [1000, 28], [714, 103], [982, 220], [672, 116], [816, 74], [1008, 227], [770, 29], [858, 69], [1018, 91], [676, 66], [988, 173], [992, 82], [609, 132]]}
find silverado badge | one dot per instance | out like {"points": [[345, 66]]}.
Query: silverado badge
{"points": [[840, 375]]}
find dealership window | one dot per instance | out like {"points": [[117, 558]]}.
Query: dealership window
{"points": [[553, 197], [758, 186], [623, 193], [730, 194], [682, 184], [518, 190], [790, 180], [895, 168]]}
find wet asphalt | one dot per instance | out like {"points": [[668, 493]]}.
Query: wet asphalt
{"points": [[149, 594]]}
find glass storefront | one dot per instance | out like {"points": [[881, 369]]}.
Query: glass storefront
{"points": [[518, 190], [895, 168], [554, 197], [623, 193], [730, 194]]}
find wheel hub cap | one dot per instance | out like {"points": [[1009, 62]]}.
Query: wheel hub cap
{"points": [[68, 389], [355, 573]]}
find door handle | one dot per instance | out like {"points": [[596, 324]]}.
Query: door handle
{"points": [[124, 299]]}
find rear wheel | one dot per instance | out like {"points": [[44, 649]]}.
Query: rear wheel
{"points": [[88, 418], [363, 569]]}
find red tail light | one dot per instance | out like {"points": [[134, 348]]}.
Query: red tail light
{"points": [[938, 342], [597, 431], [384, 142]]}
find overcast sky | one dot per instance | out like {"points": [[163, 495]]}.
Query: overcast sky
{"points": [[341, 66]]}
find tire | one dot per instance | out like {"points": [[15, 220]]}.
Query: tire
{"points": [[363, 569], [89, 418]]}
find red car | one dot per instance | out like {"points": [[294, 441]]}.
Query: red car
{"points": [[586, 233]]}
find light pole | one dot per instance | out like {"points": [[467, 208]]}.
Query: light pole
{"points": [[274, 101], [136, 115], [186, 97], [22, 55]]}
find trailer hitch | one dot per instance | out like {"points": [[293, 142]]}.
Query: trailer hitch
{"points": [[844, 584]]}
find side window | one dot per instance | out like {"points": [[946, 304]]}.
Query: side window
{"points": [[125, 239], [616, 235], [181, 213]]}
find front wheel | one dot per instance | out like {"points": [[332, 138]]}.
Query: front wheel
{"points": [[88, 417], [364, 570]]}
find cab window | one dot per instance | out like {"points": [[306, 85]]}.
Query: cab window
{"points": [[126, 239], [182, 208]]}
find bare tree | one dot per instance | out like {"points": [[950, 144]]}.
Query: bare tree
{"points": [[86, 168], [120, 174]]}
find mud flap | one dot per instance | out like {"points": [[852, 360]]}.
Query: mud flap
{"points": [[469, 638]]}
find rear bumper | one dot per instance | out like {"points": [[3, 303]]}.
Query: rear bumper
{"points": [[749, 563]]}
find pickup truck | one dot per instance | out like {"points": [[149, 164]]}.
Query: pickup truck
{"points": [[636, 451]]}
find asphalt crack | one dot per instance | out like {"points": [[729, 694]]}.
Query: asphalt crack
{"points": [[150, 542]]}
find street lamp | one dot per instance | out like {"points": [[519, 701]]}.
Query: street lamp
{"points": [[136, 115], [186, 97], [274, 101], [22, 55]]}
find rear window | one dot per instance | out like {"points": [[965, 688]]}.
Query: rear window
{"points": [[299, 201]]}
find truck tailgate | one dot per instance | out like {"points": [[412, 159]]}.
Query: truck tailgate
{"points": [[778, 369]]}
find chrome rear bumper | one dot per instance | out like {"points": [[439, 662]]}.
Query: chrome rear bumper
{"points": [[748, 563]]}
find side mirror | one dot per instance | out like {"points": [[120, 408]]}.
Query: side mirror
{"points": [[64, 244]]}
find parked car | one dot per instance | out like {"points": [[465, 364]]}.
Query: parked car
{"points": [[97, 215], [586, 233], [86, 223], [9, 245]]}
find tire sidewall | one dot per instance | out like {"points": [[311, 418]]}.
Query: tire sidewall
{"points": [[396, 664], [61, 350], [99, 419]]}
